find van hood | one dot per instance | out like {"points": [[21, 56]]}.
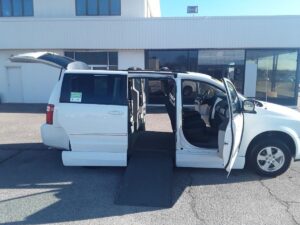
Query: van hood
{"points": [[278, 110]]}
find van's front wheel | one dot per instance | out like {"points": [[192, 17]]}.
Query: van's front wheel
{"points": [[270, 158]]}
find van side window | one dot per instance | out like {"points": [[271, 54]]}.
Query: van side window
{"points": [[94, 89]]}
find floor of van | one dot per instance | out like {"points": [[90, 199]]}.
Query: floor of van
{"points": [[148, 177], [153, 141]]}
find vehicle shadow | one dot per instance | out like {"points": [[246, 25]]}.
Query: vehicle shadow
{"points": [[22, 108], [80, 193]]}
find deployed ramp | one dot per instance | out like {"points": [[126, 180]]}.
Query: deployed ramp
{"points": [[148, 178]]}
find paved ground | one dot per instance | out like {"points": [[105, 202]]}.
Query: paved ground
{"points": [[35, 188]]}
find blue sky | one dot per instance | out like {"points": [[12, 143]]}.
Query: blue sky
{"points": [[231, 7]]}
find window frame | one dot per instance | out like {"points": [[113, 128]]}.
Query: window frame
{"points": [[98, 9], [236, 105], [12, 9], [197, 87]]}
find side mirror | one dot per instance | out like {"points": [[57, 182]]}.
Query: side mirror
{"points": [[248, 106]]}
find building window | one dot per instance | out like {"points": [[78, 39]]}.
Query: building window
{"points": [[15, 8], [276, 75], [179, 60], [224, 63], [175, 60], [96, 60], [98, 7]]}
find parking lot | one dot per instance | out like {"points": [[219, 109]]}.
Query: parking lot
{"points": [[35, 188]]}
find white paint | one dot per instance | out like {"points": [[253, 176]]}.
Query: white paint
{"points": [[54, 8], [152, 8], [54, 136], [67, 8], [94, 158], [150, 33], [133, 8], [98, 134], [250, 79], [131, 58], [15, 86]]}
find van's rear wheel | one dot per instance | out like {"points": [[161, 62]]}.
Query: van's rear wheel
{"points": [[270, 158]]}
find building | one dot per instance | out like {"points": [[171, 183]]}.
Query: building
{"points": [[259, 54]]}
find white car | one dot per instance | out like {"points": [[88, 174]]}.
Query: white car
{"points": [[94, 116]]}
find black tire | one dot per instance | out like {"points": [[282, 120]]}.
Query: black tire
{"points": [[260, 148], [142, 125]]}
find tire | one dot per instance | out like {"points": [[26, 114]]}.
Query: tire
{"points": [[142, 127], [270, 158]]}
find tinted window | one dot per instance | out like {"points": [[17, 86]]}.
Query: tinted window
{"points": [[96, 60], [180, 60], [17, 4], [98, 7], [80, 7], [6, 8], [113, 58], [94, 89], [92, 7], [92, 58], [115, 7], [28, 7], [276, 72], [223, 63], [104, 7], [16, 8]]}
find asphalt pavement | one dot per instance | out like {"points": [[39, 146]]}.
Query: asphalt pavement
{"points": [[35, 188]]}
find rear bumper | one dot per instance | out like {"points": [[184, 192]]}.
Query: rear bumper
{"points": [[54, 136]]}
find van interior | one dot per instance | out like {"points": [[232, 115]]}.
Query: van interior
{"points": [[153, 138], [204, 115]]}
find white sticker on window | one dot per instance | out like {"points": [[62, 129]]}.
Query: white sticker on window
{"points": [[76, 97]]}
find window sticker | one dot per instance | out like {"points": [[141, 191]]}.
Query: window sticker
{"points": [[76, 97]]}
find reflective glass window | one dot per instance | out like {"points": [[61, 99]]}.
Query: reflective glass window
{"points": [[92, 7], [6, 8], [180, 60], [104, 7], [96, 60], [28, 7], [115, 7], [98, 7], [224, 63], [276, 74], [80, 7], [17, 7]]}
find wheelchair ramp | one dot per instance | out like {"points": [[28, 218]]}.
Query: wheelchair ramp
{"points": [[147, 180]]}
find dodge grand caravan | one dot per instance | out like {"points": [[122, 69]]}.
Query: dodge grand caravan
{"points": [[95, 116]]}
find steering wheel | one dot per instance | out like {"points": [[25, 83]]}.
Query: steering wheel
{"points": [[202, 98]]}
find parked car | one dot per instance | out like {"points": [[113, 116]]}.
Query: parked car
{"points": [[93, 116]]}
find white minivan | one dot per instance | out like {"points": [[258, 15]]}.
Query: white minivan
{"points": [[95, 117]]}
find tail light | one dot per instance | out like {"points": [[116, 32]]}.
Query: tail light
{"points": [[49, 114]]}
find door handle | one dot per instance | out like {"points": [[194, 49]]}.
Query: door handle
{"points": [[115, 113]]}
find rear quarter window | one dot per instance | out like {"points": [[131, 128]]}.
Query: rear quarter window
{"points": [[94, 89]]}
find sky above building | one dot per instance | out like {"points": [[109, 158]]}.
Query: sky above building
{"points": [[171, 8]]}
